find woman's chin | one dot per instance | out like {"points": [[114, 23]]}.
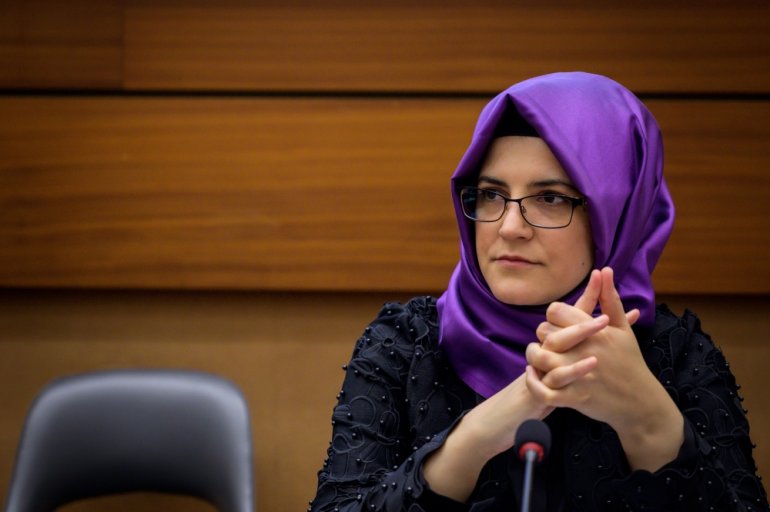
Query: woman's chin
{"points": [[521, 297]]}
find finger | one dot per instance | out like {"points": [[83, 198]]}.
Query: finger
{"points": [[543, 360], [544, 329], [566, 375], [609, 299], [537, 389], [590, 298], [561, 314], [633, 316], [563, 340]]}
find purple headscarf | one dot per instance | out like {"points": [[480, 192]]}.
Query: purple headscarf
{"points": [[610, 146]]}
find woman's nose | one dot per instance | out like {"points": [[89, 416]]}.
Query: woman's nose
{"points": [[513, 225]]}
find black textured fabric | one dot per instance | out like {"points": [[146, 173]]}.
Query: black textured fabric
{"points": [[400, 400]]}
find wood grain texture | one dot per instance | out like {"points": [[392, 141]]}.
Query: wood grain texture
{"points": [[319, 194], [717, 158], [275, 194], [454, 46], [54, 44], [395, 46]]}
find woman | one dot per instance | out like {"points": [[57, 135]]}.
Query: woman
{"points": [[563, 213]]}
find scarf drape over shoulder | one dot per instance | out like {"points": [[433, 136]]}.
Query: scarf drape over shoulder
{"points": [[610, 146]]}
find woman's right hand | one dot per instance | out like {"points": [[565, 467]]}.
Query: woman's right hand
{"points": [[485, 431], [491, 426]]}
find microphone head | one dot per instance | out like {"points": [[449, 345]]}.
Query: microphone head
{"points": [[533, 435]]}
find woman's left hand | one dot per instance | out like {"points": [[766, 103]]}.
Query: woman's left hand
{"points": [[621, 390]]}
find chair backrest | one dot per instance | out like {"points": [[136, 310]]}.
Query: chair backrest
{"points": [[110, 432]]}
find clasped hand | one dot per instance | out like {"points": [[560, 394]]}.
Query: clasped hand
{"points": [[595, 366], [592, 365]]}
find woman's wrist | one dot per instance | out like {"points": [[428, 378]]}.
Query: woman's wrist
{"points": [[485, 431], [492, 424], [454, 468], [655, 438]]}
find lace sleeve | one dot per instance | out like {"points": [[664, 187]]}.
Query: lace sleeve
{"points": [[374, 457], [715, 469]]}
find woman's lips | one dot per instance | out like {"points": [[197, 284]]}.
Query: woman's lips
{"points": [[514, 261]]}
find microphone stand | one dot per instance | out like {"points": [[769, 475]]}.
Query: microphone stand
{"points": [[533, 440], [531, 457]]}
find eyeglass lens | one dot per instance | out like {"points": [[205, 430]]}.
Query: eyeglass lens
{"points": [[547, 210]]}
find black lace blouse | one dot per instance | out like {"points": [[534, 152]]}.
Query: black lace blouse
{"points": [[400, 399]]}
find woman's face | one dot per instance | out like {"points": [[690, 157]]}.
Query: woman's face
{"points": [[522, 264]]}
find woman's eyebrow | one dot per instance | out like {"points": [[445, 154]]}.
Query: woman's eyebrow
{"points": [[552, 182], [492, 181]]}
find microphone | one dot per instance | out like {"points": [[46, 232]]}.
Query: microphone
{"points": [[533, 440]]}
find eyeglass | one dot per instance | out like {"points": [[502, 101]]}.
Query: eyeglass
{"points": [[548, 210]]}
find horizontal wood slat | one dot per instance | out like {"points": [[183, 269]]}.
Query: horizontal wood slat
{"points": [[297, 194], [55, 44], [319, 194], [349, 45], [444, 46], [717, 161]]}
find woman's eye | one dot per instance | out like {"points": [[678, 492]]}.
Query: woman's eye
{"points": [[551, 199], [488, 195]]}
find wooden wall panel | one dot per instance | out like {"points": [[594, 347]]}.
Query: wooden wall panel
{"points": [[54, 44], [319, 194], [294, 194], [452, 46], [717, 160], [395, 46]]}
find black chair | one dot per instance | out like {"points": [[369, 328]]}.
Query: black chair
{"points": [[111, 432]]}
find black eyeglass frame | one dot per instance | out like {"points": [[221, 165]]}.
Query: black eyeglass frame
{"points": [[574, 201]]}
